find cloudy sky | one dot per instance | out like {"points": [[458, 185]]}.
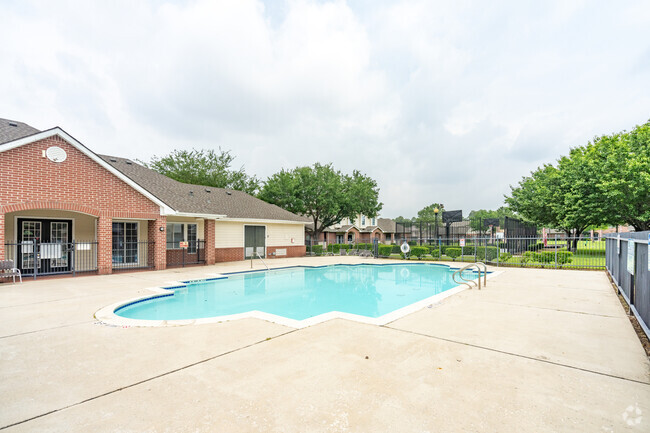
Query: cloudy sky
{"points": [[439, 101]]}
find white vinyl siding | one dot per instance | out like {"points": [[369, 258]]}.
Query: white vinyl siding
{"points": [[229, 234], [280, 235]]}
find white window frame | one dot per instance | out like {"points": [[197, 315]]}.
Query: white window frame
{"points": [[185, 225]]}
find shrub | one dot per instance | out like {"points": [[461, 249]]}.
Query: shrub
{"points": [[317, 250], [545, 257], [385, 250], [435, 252], [528, 256], [396, 249], [536, 246], [504, 257], [564, 257], [453, 253], [419, 251], [486, 254], [412, 243]]}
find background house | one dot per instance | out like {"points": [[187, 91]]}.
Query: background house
{"points": [[361, 229]]}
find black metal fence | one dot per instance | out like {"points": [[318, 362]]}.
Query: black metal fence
{"points": [[133, 255], [426, 232], [554, 252], [629, 267], [185, 253], [35, 258]]}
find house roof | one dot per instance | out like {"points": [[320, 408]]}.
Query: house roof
{"points": [[387, 225], [175, 198], [370, 229], [11, 130], [200, 199]]}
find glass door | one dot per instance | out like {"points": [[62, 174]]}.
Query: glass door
{"points": [[254, 241], [31, 232], [58, 238]]}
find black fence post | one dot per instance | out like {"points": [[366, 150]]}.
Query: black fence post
{"points": [[72, 248], [36, 256]]}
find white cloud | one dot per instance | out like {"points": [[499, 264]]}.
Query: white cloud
{"points": [[438, 101]]}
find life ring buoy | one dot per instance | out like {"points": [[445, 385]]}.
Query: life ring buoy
{"points": [[405, 248]]}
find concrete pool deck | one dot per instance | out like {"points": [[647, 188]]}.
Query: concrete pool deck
{"points": [[537, 350]]}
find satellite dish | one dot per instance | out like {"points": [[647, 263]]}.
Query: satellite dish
{"points": [[56, 154]]}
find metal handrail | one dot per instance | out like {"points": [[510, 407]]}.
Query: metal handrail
{"points": [[484, 274], [255, 253], [465, 281]]}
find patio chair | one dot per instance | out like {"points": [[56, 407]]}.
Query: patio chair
{"points": [[7, 269], [353, 252]]}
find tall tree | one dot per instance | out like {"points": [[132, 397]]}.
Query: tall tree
{"points": [[605, 182], [323, 194], [476, 217], [204, 167], [621, 170], [428, 214]]}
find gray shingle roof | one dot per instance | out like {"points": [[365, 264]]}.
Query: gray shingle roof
{"points": [[11, 130], [184, 197], [386, 224]]}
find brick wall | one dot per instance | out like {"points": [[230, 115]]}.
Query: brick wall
{"points": [[159, 237], [228, 254], [292, 251], [78, 184], [2, 236], [209, 237]]}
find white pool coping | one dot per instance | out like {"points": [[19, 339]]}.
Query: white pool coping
{"points": [[107, 314]]}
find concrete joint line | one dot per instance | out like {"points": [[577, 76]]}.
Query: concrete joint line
{"points": [[519, 355], [46, 329], [554, 309], [158, 376]]}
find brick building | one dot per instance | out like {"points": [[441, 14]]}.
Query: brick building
{"points": [[65, 209], [360, 230]]}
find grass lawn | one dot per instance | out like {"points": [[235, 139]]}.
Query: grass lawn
{"points": [[587, 257]]}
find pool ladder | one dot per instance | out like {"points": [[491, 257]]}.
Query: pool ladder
{"points": [[260, 257], [470, 282]]}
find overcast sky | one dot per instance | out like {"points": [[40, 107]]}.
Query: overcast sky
{"points": [[445, 101]]}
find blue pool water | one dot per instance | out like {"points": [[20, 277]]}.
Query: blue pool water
{"points": [[301, 292]]}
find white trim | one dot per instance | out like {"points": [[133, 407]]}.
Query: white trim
{"points": [[83, 149], [204, 216], [266, 231], [260, 221]]}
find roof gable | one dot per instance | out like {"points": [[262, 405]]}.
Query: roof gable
{"points": [[77, 145]]}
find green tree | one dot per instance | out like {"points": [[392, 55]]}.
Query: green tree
{"points": [[620, 166], [427, 213], [323, 194], [476, 217], [204, 167], [401, 219], [544, 199], [605, 182]]}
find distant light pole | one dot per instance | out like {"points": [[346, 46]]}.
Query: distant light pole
{"points": [[435, 211]]}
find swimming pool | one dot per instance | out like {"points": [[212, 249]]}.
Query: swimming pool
{"points": [[300, 293]]}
